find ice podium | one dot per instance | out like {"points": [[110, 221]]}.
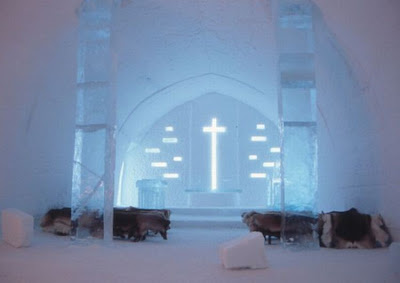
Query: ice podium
{"points": [[244, 252], [16, 227]]}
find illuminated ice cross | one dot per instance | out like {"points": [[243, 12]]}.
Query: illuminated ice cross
{"points": [[214, 130]]}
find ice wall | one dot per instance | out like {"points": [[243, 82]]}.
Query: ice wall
{"points": [[37, 72], [349, 154], [370, 48]]}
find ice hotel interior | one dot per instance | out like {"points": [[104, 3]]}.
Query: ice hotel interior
{"points": [[208, 109]]}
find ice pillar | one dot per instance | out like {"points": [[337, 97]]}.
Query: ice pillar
{"points": [[94, 154], [297, 101]]}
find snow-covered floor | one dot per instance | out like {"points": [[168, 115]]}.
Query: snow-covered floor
{"points": [[189, 255]]}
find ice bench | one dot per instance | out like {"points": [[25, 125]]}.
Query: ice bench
{"points": [[245, 252], [17, 227]]}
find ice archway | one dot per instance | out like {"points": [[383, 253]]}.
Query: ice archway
{"points": [[149, 110], [152, 109]]}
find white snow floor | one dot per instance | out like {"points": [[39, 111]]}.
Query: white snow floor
{"points": [[189, 255]]}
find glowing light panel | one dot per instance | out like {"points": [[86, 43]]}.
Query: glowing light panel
{"points": [[213, 129], [253, 157], [275, 149], [260, 127], [170, 140], [159, 164], [259, 138], [258, 175], [152, 150], [169, 129], [178, 158], [269, 164], [171, 175]]}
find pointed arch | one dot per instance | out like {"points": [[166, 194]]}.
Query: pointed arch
{"points": [[153, 107]]}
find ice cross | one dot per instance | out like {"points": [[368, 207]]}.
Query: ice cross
{"points": [[214, 130]]}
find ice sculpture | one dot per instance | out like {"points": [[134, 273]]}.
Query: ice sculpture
{"points": [[298, 116], [93, 169], [151, 193]]}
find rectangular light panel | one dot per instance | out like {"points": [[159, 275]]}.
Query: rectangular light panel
{"points": [[269, 164], [170, 140], [159, 164], [171, 175], [152, 150], [259, 138], [258, 175]]}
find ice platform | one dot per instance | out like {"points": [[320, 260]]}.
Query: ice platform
{"points": [[209, 217]]}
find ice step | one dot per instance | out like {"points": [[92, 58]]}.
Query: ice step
{"points": [[190, 221], [208, 217]]}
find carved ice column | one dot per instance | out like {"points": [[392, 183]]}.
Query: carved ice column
{"points": [[94, 155], [295, 37]]}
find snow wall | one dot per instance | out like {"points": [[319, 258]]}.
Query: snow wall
{"points": [[357, 83]]}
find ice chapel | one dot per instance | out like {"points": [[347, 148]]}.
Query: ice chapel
{"points": [[205, 108]]}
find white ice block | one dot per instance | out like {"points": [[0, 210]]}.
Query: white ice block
{"points": [[394, 252], [245, 252], [17, 227]]}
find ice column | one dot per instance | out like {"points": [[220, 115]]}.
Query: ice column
{"points": [[94, 155], [298, 115]]}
